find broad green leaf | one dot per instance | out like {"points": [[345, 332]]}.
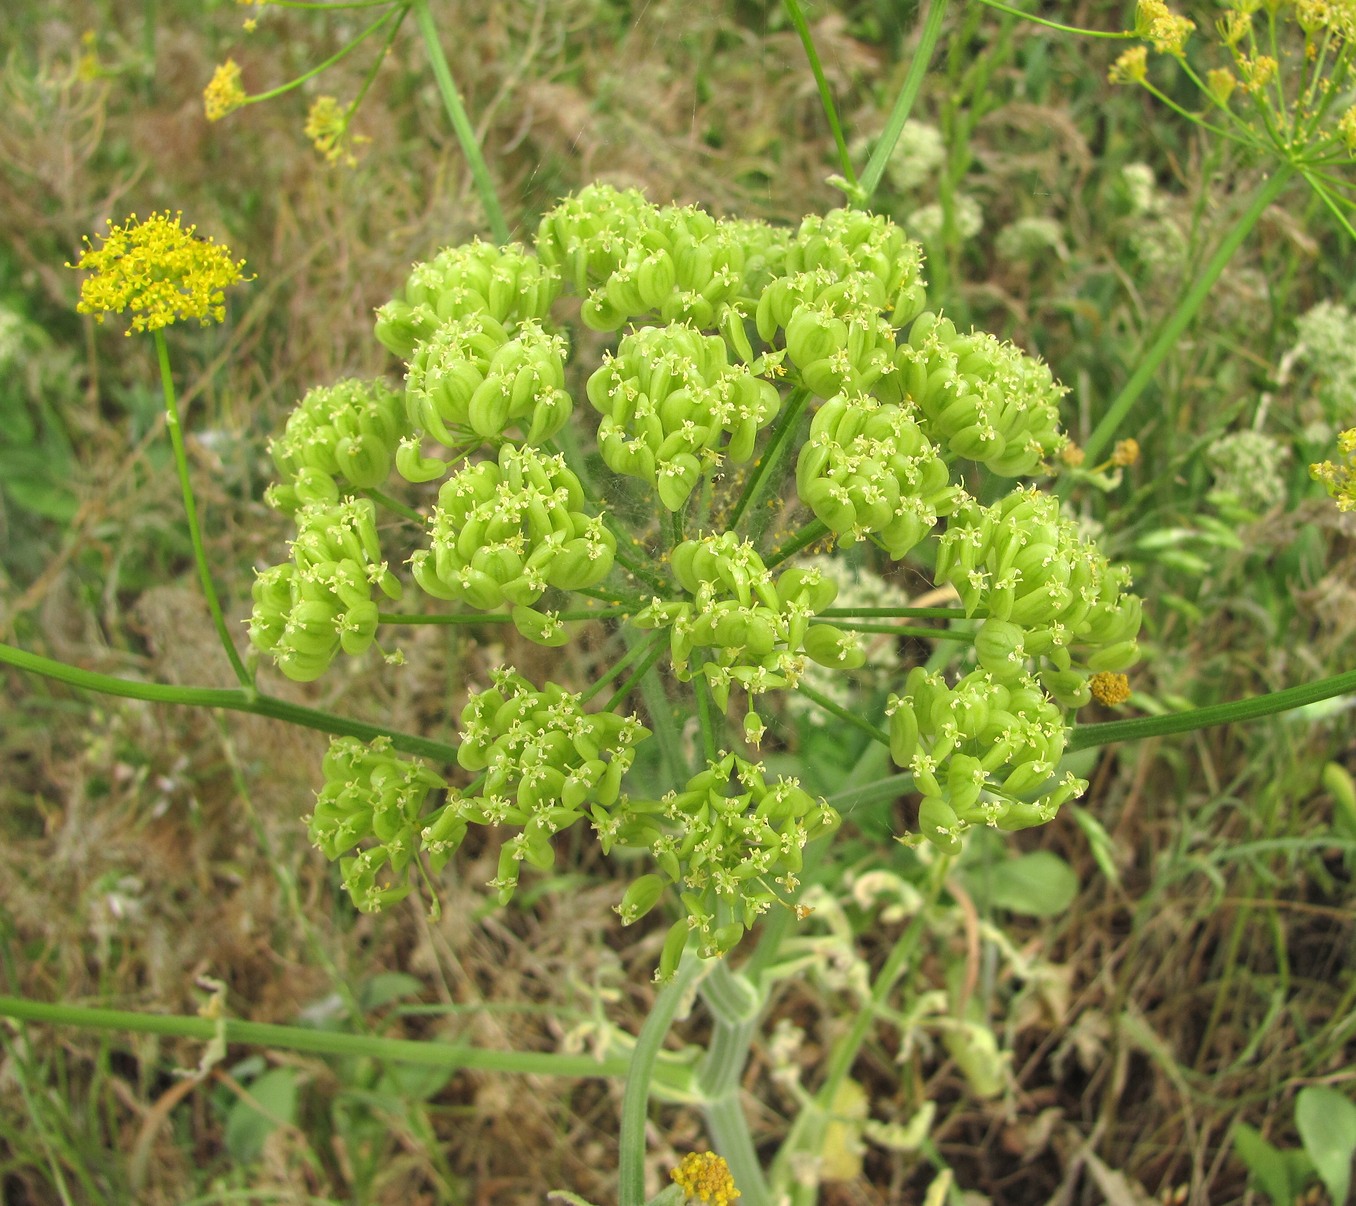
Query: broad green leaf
{"points": [[1274, 1171], [1039, 884], [1327, 1125], [247, 1128]]}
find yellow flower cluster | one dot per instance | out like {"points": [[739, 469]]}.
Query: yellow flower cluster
{"points": [[1109, 688], [224, 92], [1340, 480], [326, 127], [1160, 25], [705, 1178], [158, 271]]}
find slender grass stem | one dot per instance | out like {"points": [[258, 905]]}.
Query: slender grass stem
{"points": [[903, 106], [1186, 310], [461, 123], [636, 1097], [209, 589], [320, 1042], [797, 15]]}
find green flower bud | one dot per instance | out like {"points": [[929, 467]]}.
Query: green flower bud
{"points": [[640, 897]]}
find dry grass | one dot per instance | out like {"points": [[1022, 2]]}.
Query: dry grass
{"points": [[143, 847]]}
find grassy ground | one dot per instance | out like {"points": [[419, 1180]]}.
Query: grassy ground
{"points": [[1201, 976]]}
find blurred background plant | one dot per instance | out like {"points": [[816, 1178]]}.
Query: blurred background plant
{"points": [[1200, 978]]}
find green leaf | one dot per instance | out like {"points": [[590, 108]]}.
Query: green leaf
{"points": [[1039, 884], [386, 987], [1099, 842], [1327, 1125], [1279, 1174], [247, 1128]]}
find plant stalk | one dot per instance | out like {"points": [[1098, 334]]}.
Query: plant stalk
{"points": [[190, 507]]}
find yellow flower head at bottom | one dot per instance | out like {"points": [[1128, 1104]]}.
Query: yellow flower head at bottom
{"points": [[705, 1178], [158, 271]]}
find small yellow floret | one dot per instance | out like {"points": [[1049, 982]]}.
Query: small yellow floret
{"points": [[1340, 480], [1108, 688], [1165, 29], [1126, 452], [158, 271], [224, 93], [705, 1178], [1346, 127], [1221, 83], [326, 127], [1131, 67]]}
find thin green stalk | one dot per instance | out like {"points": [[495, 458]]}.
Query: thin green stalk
{"points": [[1085, 736], [898, 613], [794, 11], [843, 714], [908, 93], [636, 1097], [1186, 310], [396, 507], [338, 56], [190, 507], [492, 617], [617, 667], [231, 699], [926, 634], [666, 732], [709, 718], [461, 124], [1055, 25], [816, 529], [765, 468], [653, 651], [320, 1042]]}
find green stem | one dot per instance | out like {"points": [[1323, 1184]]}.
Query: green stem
{"points": [[231, 699], [492, 617], [793, 10], [735, 1007], [764, 469], [925, 634], [321, 1042], [456, 111], [908, 93], [843, 714], [1186, 311], [1072, 29], [897, 613], [816, 529], [652, 651], [190, 507], [338, 56], [636, 1098], [1086, 736], [396, 507], [634, 652]]}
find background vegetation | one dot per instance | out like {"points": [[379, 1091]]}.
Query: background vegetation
{"points": [[1200, 976]]}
